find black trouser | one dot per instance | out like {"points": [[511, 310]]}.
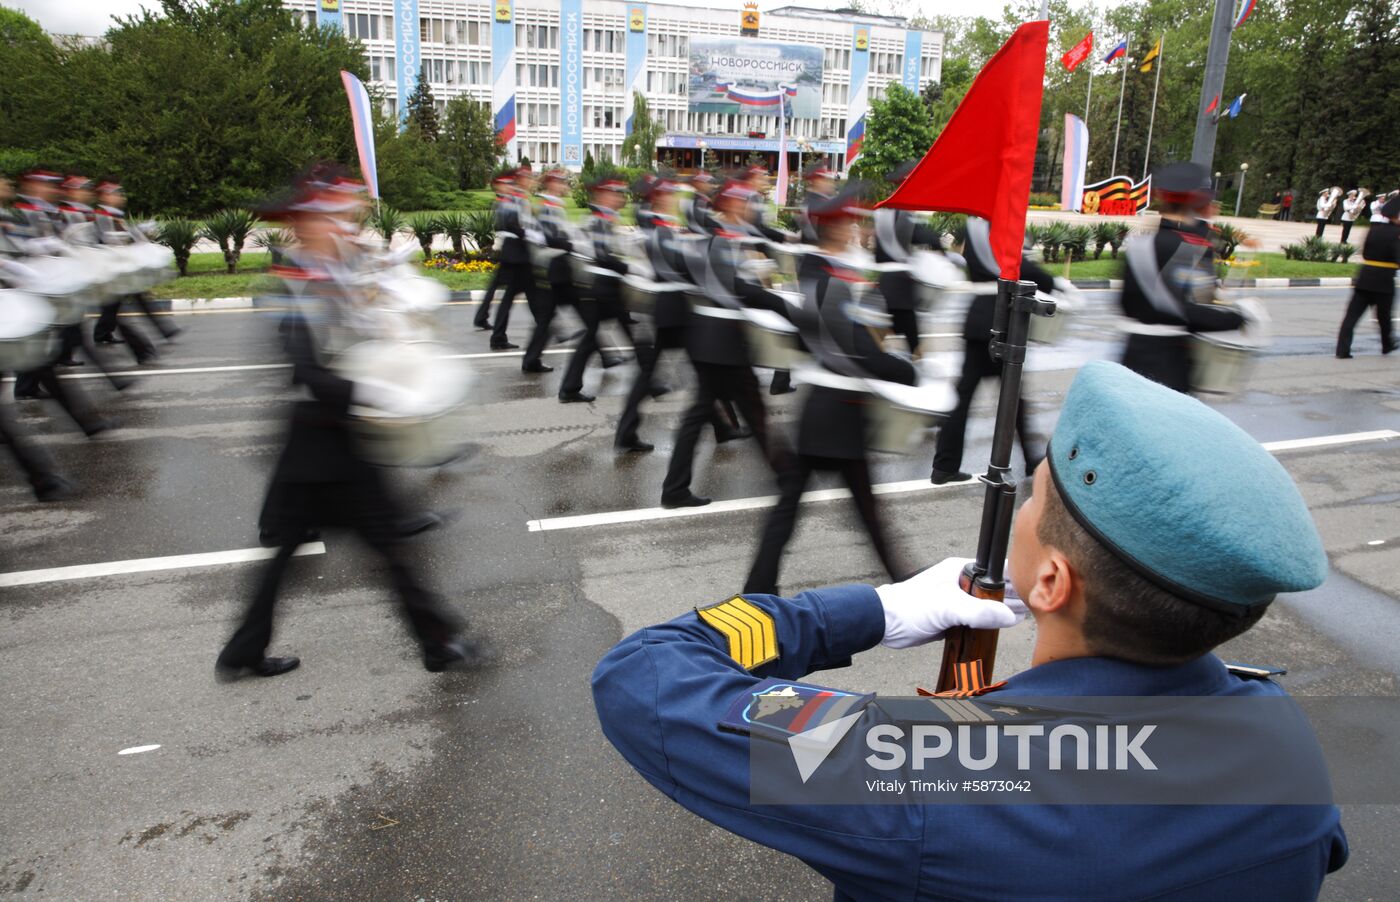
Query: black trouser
{"points": [[483, 313], [430, 622], [542, 303], [593, 311], [763, 577], [1321, 224], [1360, 300], [107, 324], [31, 459], [73, 402], [520, 279], [1346, 229], [977, 365], [648, 355], [906, 323], [718, 382]]}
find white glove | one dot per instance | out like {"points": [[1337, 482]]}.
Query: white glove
{"points": [[922, 608]]}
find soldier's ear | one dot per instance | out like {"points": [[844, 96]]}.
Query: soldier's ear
{"points": [[1057, 585]]}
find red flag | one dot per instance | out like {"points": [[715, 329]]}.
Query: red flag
{"points": [[982, 162], [1215, 102], [1079, 52]]}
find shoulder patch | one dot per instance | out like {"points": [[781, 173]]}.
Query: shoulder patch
{"points": [[751, 632], [777, 709]]}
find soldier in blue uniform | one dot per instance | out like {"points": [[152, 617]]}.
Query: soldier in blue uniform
{"points": [[1136, 556]]}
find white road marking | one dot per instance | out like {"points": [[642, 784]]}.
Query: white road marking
{"points": [[138, 749], [149, 564], [1376, 542], [611, 518]]}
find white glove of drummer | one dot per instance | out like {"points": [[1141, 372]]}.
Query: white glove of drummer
{"points": [[379, 395], [1065, 286], [925, 606]]}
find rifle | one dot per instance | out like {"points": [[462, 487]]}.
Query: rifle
{"points": [[985, 577]]}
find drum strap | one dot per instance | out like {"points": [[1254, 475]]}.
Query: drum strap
{"points": [[886, 235], [979, 243], [1142, 262]]}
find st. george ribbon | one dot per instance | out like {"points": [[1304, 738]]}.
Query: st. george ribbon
{"points": [[959, 174]]}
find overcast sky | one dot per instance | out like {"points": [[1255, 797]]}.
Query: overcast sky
{"points": [[93, 17]]}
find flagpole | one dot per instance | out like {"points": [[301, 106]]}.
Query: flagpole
{"points": [[1113, 167], [1089, 96], [1157, 83]]}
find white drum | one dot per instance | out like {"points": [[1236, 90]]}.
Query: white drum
{"points": [[61, 281], [1221, 361], [27, 337], [640, 294], [413, 393], [788, 257], [1047, 330], [408, 292], [904, 413], [934, 274]]}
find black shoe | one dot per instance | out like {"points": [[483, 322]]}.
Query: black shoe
{"points": [[459, 654], [686, 500], [1390, 348], [1346, 356], [38, 394], [267, 667], [54, 488], [171, 335], [503, 346], [635, 445], [733, 436], [657, 390], [536, 368], [781, 388], [575, 397], [482, 327], [940, 478]]}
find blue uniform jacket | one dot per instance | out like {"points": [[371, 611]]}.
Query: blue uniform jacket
{"points": [[661, 692]]}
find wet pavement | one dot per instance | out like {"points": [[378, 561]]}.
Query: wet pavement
{"points": [[361, 776]]}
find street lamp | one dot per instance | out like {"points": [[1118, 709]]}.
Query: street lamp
{"points": [[1244, 170], [702, 145], [1215, 186]]}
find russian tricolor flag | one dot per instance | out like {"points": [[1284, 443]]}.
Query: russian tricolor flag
{"points": [[789, 90], [1122, 48], [1246, 8], [855, 139], [755, 98], [363, 124], [505, 121]]}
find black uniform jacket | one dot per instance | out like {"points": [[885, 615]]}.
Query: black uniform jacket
{"points": [[1382, 246], [1185, 261], [897, 233], [833, 420], [510, 222], [716, 330], [664, 253], [982, 267], [555, 227]]}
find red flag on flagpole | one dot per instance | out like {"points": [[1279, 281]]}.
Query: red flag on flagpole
{"points": [[982, 162], [1078, 53], [1214, 102]]}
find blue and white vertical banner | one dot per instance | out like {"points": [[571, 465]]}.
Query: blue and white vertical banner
{"points": [[858, 103], [636, 56], [408, 52], [571, 83], [503, 74], [1076, 162], [328, 13], [913, 59]]}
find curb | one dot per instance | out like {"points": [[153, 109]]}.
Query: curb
{"points": [[1332, 282]]}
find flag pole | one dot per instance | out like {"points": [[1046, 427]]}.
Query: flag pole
{"points": [[1157, 83], [1089, 96], [1113, 167]]}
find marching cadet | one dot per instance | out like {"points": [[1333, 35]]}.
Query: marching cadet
{"points": [[1353, 205], [699, 211], [114, 229], [756, 224], [897, 233], [820, 188], [832, 433], [1130, 594], [514, 221], [321, 480], [1169, 281], [501, 184], [1375, 283], [601, 298], [558, 276], [719, 351], [1326, 203], [978, 364]]}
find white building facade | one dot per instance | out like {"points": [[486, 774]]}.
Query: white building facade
{"points": [[559, 75]]}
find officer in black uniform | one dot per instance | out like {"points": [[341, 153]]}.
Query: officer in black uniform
{"points": [[719, 351], [501, 183], [601, 298], [977, 359], [321, 480], [1375, 283], [1170, 280], [554, 286], [820, 187], [897, 233], [514, 220], [757, 224], [699, 211], [833, 427]]}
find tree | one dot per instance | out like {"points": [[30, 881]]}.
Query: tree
{"points": [[639, 147], [422, 110], [897, 129], [469, 142], [412, 171]]}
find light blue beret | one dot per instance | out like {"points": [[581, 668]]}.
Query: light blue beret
{"points": [[1180, 493]]}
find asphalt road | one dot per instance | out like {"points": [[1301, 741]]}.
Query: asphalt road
{"points": [[361, 776]]}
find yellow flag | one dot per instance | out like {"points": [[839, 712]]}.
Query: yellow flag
{"points": [[1152, 54]]}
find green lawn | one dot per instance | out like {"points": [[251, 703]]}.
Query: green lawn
{"points": [[208, 278], [1270, 266]]}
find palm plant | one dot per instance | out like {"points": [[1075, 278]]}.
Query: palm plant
{"points": [[1121, 231], [1077, 242], [386, 222], [1343, 252], [1054, 236], [425, 228], [1315, 249], [180, 236], [454, 226], [1230, 239], [1103, 237], [275, 242], [481, 228], [229, 229]]}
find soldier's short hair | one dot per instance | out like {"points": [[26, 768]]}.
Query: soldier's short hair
{"points": [[1126, 615]]}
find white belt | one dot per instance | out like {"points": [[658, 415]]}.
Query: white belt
{"points": [[720, 312]]}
